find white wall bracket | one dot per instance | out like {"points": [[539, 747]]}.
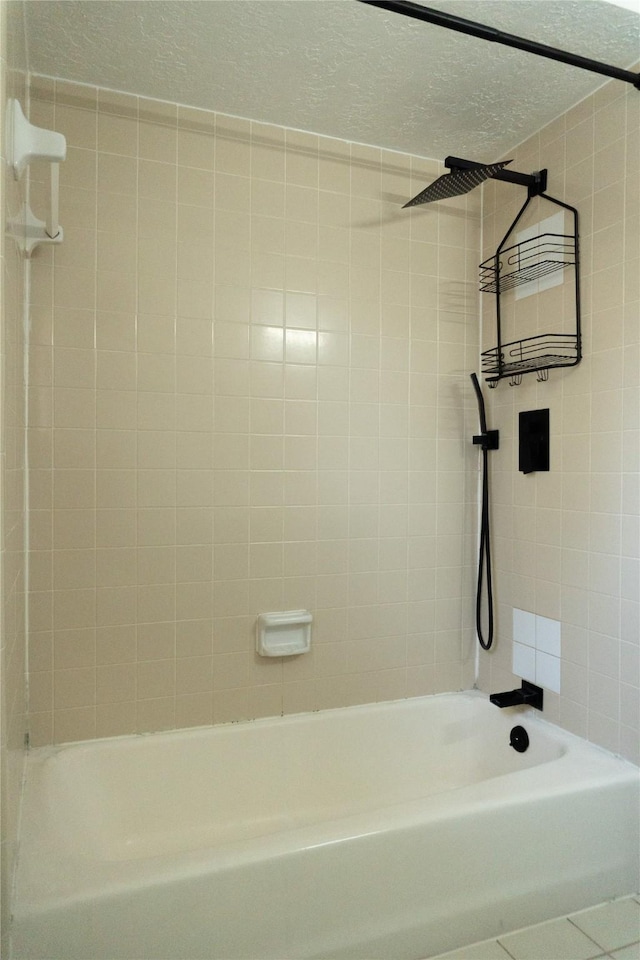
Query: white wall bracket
{"points": [[26, 142], [28, 231]]}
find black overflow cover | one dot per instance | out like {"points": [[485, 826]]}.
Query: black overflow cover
{"points": [[519, 739]]}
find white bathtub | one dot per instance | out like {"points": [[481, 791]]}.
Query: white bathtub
{"points": [[398, 830]]}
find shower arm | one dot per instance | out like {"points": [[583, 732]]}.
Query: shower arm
{"points": [[484, 32], [536, 183]]}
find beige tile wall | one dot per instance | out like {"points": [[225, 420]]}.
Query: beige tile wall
{"points": [[568, 542], [247, 375], [12, 552]]}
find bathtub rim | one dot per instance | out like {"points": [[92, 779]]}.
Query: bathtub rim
{"points": [[518, 713]]}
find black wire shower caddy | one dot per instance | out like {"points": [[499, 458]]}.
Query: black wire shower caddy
{"points": [[520, 263]]}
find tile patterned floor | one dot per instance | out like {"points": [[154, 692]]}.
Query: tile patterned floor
{"points": [[610, 930]]}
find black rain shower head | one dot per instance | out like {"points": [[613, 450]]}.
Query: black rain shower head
{"points": [[457, 182]]}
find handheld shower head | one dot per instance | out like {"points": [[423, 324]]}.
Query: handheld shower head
{"points": [[457, 182], [481, 411]]}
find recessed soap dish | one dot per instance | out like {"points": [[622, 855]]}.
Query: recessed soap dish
{"points": [[284, 633]]}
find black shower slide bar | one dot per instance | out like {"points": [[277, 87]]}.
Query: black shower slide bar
{"points": [[474, 29]]}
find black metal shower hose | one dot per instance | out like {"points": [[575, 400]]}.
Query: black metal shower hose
{"points": [[488, 440], [484, 560]]}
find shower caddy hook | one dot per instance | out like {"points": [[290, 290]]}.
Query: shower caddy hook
{"points": [[26, 142]]}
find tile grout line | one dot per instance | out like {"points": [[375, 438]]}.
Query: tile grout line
{"points": [[603, 955], [599, 945], [502, 946]]}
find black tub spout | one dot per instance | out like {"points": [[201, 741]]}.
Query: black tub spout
{"points": [[528, 694]]}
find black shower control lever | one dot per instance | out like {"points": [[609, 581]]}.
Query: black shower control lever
{"points": [[489, 440], [528, 694]]}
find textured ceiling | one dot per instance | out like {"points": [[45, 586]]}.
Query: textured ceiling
{"points": [[338, 67]]}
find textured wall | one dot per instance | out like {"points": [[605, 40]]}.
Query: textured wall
{"points": [[12, 626], [567, 541], [248, 369]]}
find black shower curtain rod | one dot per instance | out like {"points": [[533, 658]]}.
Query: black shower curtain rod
{"points": [[428, 14]]}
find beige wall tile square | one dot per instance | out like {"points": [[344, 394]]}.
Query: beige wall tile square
{"points": [[74, 724], [155, 678], [155, 714], [115, 719], [74, 687], [156, 603], [158, 142], [194, 336], [194, 638], [156, 218], [115, 606], [194, 412], [156, 526], [194, 260], [194, 710], [115, 644], [194, 563], [196, 187], [156, 641], [115, 527], [156, 333], [117, 134], [116, 174], [78, 125], [193, 675], [196, 450], [195, 149], [116, 683]]}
